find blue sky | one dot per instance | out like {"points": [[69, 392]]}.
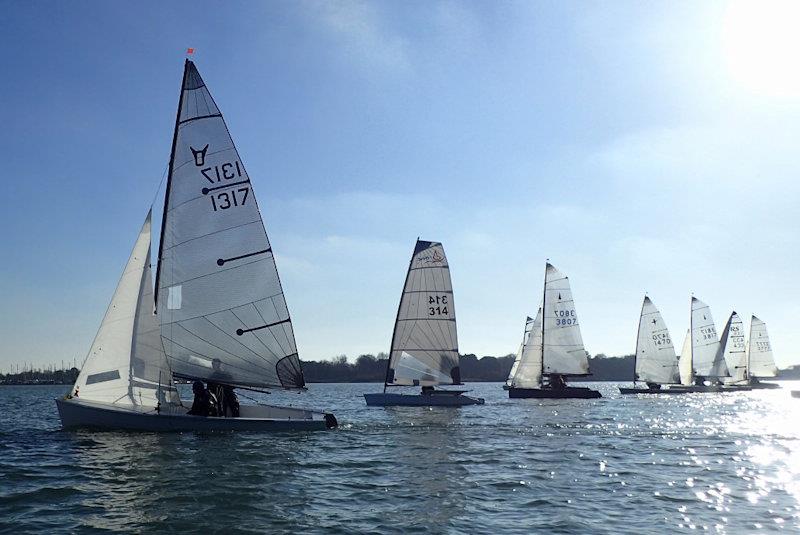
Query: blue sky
{"points": [[640, 146]]}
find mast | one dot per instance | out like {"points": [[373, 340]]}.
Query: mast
{"points": [[544, 313], [397, 317], [691, 339], [169, 183], [749, 338]]}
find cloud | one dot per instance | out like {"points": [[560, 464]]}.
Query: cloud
{"points": [[363, 34]]}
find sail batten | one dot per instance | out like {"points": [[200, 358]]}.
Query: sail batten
{"points": [[221, 305], [424, 350]]}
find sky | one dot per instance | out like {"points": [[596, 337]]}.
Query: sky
{"points": [[640, 146]]}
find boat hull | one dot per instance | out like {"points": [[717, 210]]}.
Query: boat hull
{"points": [[569, 392], [75, 413], [764, 386], [390, 399], [796, 393]]}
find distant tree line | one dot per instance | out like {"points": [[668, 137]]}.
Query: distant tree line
{"points": [[372, 369]]}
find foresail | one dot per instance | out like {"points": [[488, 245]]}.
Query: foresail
{"points": [[529, 372], [525, 335], [707, 359], [656, 361], [685, 361], [221, 307], [733, 347], [563, 351], [424, 348], [762, 363], [126, 364]]}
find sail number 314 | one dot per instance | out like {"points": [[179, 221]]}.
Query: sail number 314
{"points": [[437, 305]]}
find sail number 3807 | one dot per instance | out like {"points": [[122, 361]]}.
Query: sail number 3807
{"points": [[566, 317]]}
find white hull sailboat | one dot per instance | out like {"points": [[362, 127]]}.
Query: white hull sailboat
{"points": [[221, 313], [554, 348], [655, 361], [424, 349]]}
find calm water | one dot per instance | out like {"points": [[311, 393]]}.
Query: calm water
{"points": [[726, 463]]}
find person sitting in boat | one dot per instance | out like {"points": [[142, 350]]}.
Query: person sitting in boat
{"points": [[216, 391], [230, 402], [204, 403], [557, 382], [427, 391], [654, 386]]}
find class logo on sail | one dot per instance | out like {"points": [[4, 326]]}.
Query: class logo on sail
{"points": [[199, 155]]}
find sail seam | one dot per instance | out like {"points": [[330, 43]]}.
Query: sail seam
{"points": [[199, 117]]}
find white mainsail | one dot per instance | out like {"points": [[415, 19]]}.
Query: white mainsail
{"points": [[685, 362], [707, 360], [126, 364], [562, 346], [525, 336], [656, 361], [424, 349], [732, 347], [220, 303], [529, 372], [762, 363]]}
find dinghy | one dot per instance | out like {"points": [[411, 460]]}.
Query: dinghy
{"points": [[655, 361], [732, 347], [700, 351], [759, 361], [555, 347], [424, 349], [525, 335], [222, 316]]}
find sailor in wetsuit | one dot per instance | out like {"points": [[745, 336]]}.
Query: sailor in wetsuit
{"points": [[204, 403], [557, 382]]}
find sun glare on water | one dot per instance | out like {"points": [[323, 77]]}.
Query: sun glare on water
{"points": [[761, 42]]}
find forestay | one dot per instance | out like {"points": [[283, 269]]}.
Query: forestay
{"points": [[424, 349], [732, 346], [529, 372], [707, 359], [525, 336], [762, 363], [562, 345], [656, 361], [221, 306], [126, 364]]}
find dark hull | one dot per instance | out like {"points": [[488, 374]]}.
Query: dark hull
{"points": [[796, 393], [633, 390], [764, 386], [569, 392], [390, 399]]}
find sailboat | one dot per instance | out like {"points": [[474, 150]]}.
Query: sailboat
{"points": [[555, 347], [529, 325], [701, 358], [759, 361], [221, 313], [424, 349], [733, 349], [655, 361]]}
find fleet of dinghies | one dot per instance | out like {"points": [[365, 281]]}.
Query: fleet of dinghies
{"points": [[218, 314]]}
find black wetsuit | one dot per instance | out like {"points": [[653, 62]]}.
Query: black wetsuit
{"points": [[202, 404]]}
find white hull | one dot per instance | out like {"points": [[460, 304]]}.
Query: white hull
{"points": [[77, 413]]}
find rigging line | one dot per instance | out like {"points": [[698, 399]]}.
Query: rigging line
{"points": [[235, 339], [161, 182], [260, 341], [270, 330]]}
